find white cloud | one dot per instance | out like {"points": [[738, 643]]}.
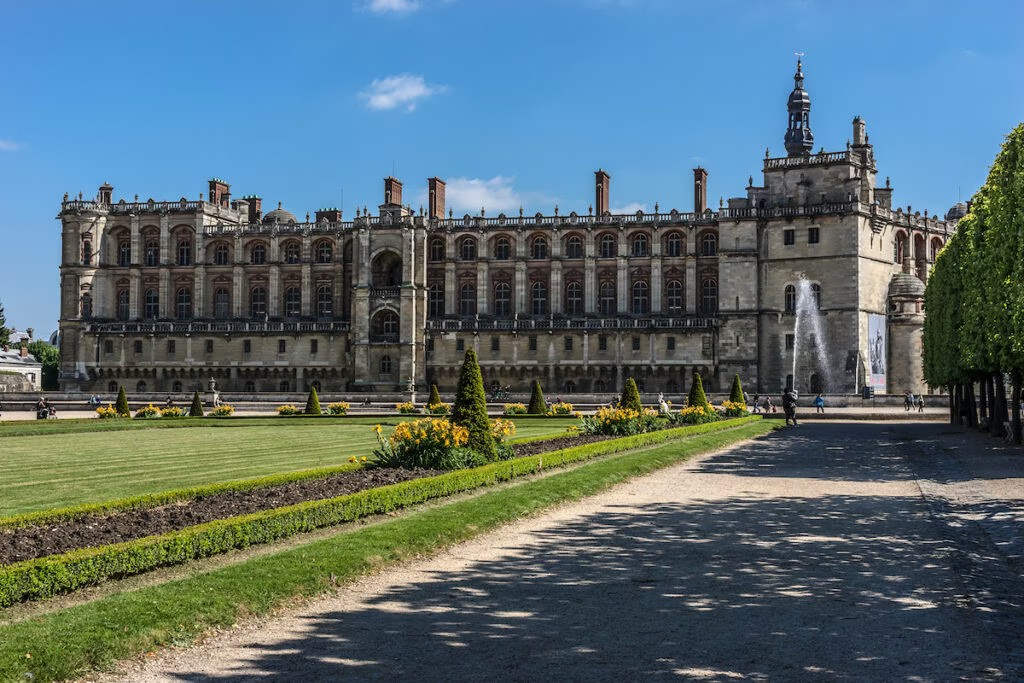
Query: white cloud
{"points": [[403, 90], [632, 207], [469, 195], [395, 6], [10, 146]]}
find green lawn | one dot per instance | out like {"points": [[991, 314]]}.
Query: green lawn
{"points": [[85, 462]]}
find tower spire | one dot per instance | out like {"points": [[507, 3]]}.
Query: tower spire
{"points": [[799, 138]]}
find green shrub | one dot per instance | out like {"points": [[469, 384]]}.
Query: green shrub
{"points": [[470, 408], [620, 422], [630, 399], [197, 406], [538, 406], [695, 415], [312, 403], [121, 406], [697, 397], [736, 393], [429, 442], [435, 397], [107, 412]]}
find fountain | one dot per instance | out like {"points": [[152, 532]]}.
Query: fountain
{"points": [[809, 323]]}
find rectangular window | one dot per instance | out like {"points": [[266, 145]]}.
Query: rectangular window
{"points": [[533, 342], [460, 344], [812, 341], [495, 344], [789, 237], [209, 346], [108, 347], [170, 347], [568, 343], [789, 341], [314, 346], [281, 346], [138, 346], [636, 343], [246, 346], [813, 236], [602, 342], [430, 344], [670, 343]]}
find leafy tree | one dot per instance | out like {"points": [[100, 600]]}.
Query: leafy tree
{"points": [[197, 406], [736, 393], [435, 397], [312, 403], [470, 408], [630, 399], [5, 333], [49, 356], [122, 403], [697, 396], [537, 404]]}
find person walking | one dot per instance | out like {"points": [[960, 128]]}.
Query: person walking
{"points": [[766, 405], [819, 404], [757, 402], [789, 406], [920, 403], [908, 401]]}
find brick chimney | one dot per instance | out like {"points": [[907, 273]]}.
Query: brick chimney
{"points": [[24, 352], [332, 215], [220, 193], [392, 191], [700, 190], [435, 199], [602, 187], [255, 208]]}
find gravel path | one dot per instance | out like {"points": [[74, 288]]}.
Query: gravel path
{"points": [[830, 551]]}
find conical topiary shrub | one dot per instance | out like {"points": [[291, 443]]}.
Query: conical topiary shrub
{"points": [[736, 393], [697, 396], [470, 408], [197, 406], [312, 403], [630, 399], [122, 403], [537, 404], [435, 398]]}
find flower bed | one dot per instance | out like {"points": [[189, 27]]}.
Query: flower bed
{"points": [[338, 408]]}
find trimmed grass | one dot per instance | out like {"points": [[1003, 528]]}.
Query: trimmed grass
{"points": [[92, 636], [95, 464]]}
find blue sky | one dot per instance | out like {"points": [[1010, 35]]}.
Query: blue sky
{"points": [[512, 102]]}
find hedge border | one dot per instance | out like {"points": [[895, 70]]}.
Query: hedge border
{"points": [[49, 576]]}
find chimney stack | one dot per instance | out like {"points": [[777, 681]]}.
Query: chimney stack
{"points": [[435, 202], [333, 215], [392, 191], [255, 208], [602, 187], [24, 352], [700, 190], [220, 193]]}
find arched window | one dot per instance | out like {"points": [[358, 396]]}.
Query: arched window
{"points": [[574, 246], [607, 298], [640, 245], [258, 254], [112, 387], [674, 296], [140, 386], [709, 244], [221, 255], [816, 293], [222, 304], [324, 301], [467, 299], [435, 300], [467, 249], [385, 327], [250, 386], [257, 302], [816, 385], [176, 387], [284, 386], [87, 305], [502, 249], [292, 252], [293, 302], [674, 244], [124, 253], [151, 307], [936, 247], [86, 252], [152, 252], [641, 303], [607, 246], [899, 247], [709, 297], [600, 386], [569, 387], [385, 365], [183, 303], [574, 298], [539, 298], [315, 384], [539, 247], [184, 252], [790, 299], [324, 251], [123, 304], [502, 299], [437, 249]]}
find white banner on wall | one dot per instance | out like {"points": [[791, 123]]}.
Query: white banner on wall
{"points": [[877, 351]]}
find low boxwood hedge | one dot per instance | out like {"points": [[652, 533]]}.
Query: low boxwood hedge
{"points": [[48, 576]]}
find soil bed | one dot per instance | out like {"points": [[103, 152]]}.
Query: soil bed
{"points": [[17, 545]]}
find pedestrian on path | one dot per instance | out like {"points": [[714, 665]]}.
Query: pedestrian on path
{"points": [[920, 403], [789, 406], [819, 404]]}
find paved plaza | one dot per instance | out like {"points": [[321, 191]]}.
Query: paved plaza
{"points": [[829, 551]]}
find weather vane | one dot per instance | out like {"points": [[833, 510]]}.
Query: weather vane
{"points": [[799, 55]]}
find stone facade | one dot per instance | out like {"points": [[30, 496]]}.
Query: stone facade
{"points": [[163, 296]]}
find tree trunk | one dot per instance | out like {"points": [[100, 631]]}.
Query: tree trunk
{"points": [[983, 417], [951, 392], [990, 389], [999, 414], [972, 406], [1015, 407]]}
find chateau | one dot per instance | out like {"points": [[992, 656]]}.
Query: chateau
{"points": [[811, 278]]}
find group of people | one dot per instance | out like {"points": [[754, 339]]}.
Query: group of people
{"points": [[910, 402], [44, 410]]}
